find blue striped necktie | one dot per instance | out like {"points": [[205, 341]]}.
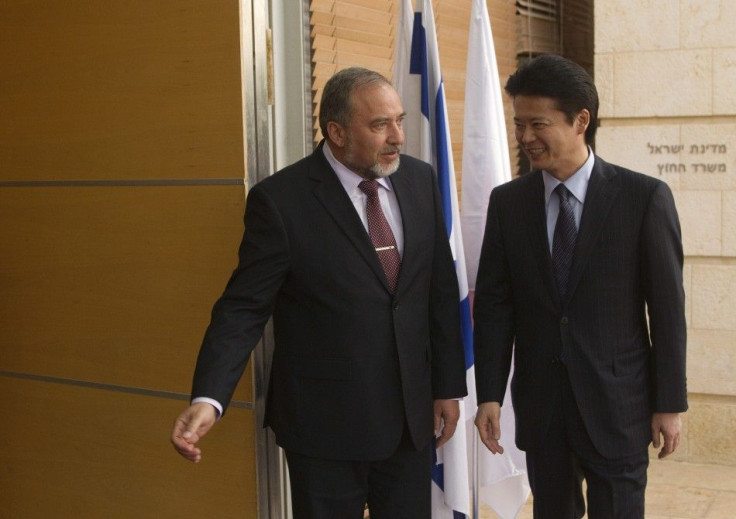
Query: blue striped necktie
{"points": [[563, 240]]}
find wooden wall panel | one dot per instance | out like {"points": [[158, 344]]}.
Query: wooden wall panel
{"points": [[76, 452], [120, 89], [348, 33], [114, 285], [121, 201]]}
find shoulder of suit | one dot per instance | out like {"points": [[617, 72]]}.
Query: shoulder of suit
{"points": [[407, 161], [290, 176], [521, 183], [414, 168]]}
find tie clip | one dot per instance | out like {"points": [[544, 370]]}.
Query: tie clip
{"points": [[379, 249]]}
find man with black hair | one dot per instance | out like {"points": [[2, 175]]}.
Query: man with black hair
{"points": [[581, 278]]}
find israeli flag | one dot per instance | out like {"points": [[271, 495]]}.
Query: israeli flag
{"points": [[418, 81]]}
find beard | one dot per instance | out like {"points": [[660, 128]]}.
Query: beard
{"points": [[380, 171], [374, 171]]}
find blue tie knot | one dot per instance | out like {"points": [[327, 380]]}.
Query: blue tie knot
{"points": [[563, 193]]}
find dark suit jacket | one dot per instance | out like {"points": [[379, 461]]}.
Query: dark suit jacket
{"points": [[623, 364], [352, 362]]}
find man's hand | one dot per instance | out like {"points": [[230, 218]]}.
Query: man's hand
{"points": [[447, 411], [488, 422], [190, 427], [669, 426]]}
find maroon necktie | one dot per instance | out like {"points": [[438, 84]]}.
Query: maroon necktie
{"points": [[380, 233]]}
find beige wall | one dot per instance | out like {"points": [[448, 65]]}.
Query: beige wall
{"points": [[666, 71]]}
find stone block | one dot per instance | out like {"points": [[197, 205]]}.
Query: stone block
{"points": [[646, 148], [711, 357], [723, 505], [663, 83], [713, 297], [711, 436], [604, 84], [716, 477], [686, 156], [674, 502], [707, 24], [700, 219], [636, 25], [729, 223], [709, 156], [724, 77]]}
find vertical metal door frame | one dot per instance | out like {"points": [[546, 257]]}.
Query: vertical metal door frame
{"points": [[258, 165], [274, 137]]}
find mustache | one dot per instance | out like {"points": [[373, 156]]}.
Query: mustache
{"points": [[391, 149]]}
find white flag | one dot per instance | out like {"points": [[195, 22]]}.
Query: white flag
{"points": [[408, 86], [427, 131], [485, 146], [503, 482]]}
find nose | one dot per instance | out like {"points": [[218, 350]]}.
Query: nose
{"points": [[525, 134], [396, 134]]}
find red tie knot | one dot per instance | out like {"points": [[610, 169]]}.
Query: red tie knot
{"points": [[369, 187]]}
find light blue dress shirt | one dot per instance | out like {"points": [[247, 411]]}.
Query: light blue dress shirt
{"points": [[578, 186]]}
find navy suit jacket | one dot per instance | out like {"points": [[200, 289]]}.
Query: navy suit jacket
{"points": [[352, 363], [621, 329]]}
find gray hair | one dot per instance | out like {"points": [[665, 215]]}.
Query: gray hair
{"points": [[335, 104]]}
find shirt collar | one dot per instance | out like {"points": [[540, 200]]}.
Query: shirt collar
{"points": [[577, 183], [348, 178]]}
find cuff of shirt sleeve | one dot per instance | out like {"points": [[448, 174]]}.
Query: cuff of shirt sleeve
{"points": [[212, 402]]}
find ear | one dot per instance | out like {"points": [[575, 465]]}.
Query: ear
{"points": [[336, 133], [582, 120]]}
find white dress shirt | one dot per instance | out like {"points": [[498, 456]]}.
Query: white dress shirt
{"points": [[386, 195]]}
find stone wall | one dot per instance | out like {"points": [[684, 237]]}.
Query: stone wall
{"points": [[666, 71]]}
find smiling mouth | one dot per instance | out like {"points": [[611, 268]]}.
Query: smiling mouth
{"points": [[534, 152]]}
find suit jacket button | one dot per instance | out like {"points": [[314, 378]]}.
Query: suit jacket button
{"points": [[564, 320]]}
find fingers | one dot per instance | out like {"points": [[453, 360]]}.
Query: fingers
{"points": [[495, 427], [486, 436], [183, 439], [488, 422], [494, 447], [668, 426], [656, 442], [447, 431], [189, 428], [446, 416], [671, 443]]}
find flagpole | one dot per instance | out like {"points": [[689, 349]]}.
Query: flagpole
{"points": [[476, 478]]}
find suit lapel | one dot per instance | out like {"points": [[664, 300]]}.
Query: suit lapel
{"points": [[331, 194], [537, 232], [599, 198]]}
